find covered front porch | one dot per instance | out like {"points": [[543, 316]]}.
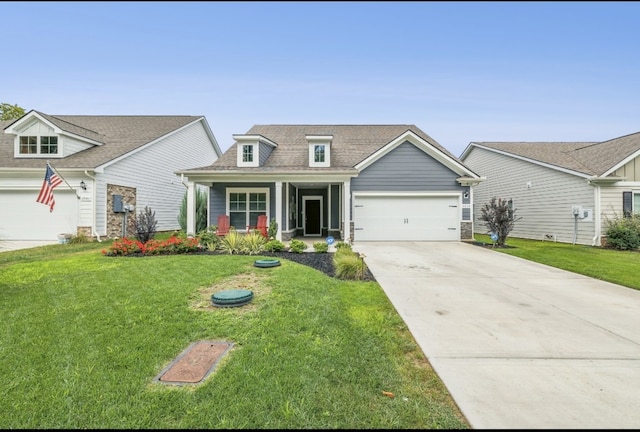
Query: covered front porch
{"points": [[302, 207]]}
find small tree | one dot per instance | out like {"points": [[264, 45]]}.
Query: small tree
{"points": [[499, 217], [145, 225]]}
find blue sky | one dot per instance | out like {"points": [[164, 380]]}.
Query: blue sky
{"points": [[460, 71]]}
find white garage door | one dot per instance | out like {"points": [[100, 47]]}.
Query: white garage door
{"points": [[402, 218], [22, 218]]}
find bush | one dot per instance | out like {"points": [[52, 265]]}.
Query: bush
{"points": [[342, 247], [273, 229], [297, 246], [232, 242], [321, 247], [623, 233], [252, 243], [145, 225], [172, 245], [209, 239], [201, 211], [499, 217], [79, 238], [273, 246], [349, 265]]}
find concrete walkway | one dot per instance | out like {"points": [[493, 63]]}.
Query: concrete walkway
{"points": [[519, 345]]}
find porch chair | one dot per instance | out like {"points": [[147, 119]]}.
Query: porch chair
{"points": [[223, 225], [262, 225]]}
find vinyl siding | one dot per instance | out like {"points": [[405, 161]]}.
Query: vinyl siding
{"points": [[151, 172], [406, 168], [542, 197], [630, 170]]}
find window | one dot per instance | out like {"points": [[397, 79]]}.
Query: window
{"points": [[29, 145], [245, 207], [318, 153], [247, 153], [49, 145]]}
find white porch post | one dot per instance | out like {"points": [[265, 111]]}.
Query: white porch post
{"points": [[346, 211], [279, 210], [191, 209]]}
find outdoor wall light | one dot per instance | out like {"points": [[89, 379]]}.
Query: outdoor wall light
{"points": [[83, 185]]}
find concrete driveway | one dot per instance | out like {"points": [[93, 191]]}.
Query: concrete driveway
{"points": [[519, 345], [11, 245]]}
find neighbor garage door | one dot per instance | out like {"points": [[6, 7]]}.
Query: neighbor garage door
{"points": [[22, 218], [400, 218]]}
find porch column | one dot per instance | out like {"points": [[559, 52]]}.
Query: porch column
{"points": [[279, 209], [191, 209], [346, 211]]}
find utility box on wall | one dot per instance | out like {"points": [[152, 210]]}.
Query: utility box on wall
{"points": [[117, 204]]}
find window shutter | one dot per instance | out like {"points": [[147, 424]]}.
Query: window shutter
{"points": [[627, 204]]}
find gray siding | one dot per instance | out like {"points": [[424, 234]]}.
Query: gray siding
{"points": [[265, 150], [151, 171], [542, 196], [406, 168], [335, 207], [218, 199]]}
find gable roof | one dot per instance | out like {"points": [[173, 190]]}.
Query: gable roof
{"points": [[351, 145], [588, 158], [118, 134]]}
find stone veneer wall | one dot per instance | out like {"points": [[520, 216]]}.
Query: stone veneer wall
{"points": [[115, 220], [466, 231]]}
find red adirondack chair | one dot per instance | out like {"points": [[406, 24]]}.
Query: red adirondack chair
{"points": [[223, 225], [262, 225]]}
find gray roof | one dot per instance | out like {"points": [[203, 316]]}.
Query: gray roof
{"points": [[118, 134], [591, 158], [351, 144]]}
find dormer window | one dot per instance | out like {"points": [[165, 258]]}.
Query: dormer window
{"points": [[252, 149], [247, 153], [319, 150], [29, 145]]}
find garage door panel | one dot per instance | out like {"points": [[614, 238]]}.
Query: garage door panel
{"points": [[381, 218], [22, 218]]}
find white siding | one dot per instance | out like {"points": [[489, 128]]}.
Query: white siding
{"points": [[72, 145], [151, 171], [542, 196]]}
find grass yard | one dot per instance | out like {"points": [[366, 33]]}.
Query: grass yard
{"points": [[83, 336], [619, 267]]}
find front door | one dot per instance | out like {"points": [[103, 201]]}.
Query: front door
{"points": [[312, 216]]}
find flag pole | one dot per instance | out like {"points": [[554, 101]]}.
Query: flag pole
{"points": [[65, 180]]}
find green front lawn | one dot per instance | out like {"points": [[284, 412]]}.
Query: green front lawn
{"points": [[619, 267], [83, 336]]}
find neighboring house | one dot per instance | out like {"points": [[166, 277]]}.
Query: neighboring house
{"points": [[113, 167], [351, 182], [564, 191]]}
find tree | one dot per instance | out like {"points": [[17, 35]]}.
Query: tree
{"points": [[201, 211], [499, 217], [10, 112]]}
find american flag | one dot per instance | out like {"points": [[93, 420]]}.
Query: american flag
{"points": [[51, 180]]}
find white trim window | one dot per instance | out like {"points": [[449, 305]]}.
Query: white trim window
{"points": [[319, 150], [245, 205], [28, 145]]}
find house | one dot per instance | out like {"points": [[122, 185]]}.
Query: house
{"points": [[563, 191], [112, 166], [349, 182]]}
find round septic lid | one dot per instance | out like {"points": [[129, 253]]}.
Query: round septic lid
{"points": [[267, 263], [232, 297]]}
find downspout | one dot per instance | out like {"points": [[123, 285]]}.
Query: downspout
{"points": [[93, 202], [597, 232]]}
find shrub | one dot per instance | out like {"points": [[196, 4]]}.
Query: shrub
{"points": [[342, 246], [123, 246], [297, 246], [232, 242], [145, 225], [499, 217], [321, 247], [349, 265], [252, 243], [273, 229], [209, 239], [79, 238], [201, 211], [623, 233], [273, 246]]}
